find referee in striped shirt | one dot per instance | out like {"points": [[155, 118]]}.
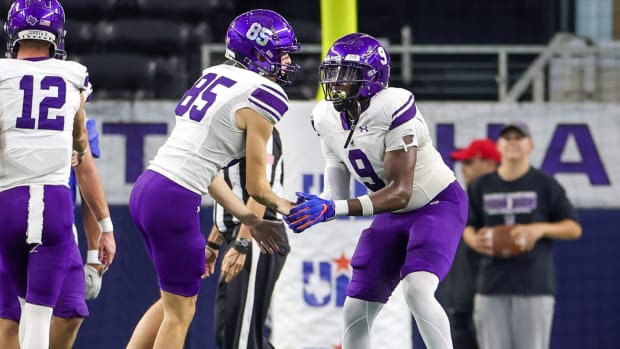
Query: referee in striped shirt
{"points": [[248, 276]]}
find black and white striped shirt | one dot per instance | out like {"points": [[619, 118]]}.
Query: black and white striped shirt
{"points": [[235, 176]]}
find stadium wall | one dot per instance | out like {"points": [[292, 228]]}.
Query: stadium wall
{"points": [[576, 143]]}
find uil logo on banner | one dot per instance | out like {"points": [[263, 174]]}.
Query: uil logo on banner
{"points": [[325, 282]]}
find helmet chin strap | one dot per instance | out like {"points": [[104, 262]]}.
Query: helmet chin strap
{"points": [[354, 114]]}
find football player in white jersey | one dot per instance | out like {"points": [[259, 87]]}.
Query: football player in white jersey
{"points": [[41, 123], [378, 135], [71, 307], [228, 113]]}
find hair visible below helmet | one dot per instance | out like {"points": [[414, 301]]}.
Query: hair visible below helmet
{"points": [[356, 60], [36, 20], [257, 39]]}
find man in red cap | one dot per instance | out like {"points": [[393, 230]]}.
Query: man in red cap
{"points": [[458, 288], [480, 157]]}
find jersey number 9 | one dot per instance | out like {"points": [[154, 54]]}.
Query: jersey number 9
{"points": [[363, 168]]}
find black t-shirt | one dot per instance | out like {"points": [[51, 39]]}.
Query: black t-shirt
{"points": [[535, 197]]}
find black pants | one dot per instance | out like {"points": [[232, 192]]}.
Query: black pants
{"points": [[457, 297], [231, 299], [463, 331]]}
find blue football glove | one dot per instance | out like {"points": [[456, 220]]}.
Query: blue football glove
{"points": [[309, 212]]}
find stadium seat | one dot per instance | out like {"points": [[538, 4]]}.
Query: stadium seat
{"points": [[79, 37], [191, 10], [87, 9], [120, 75], [171, 78], [305, 82], [202, 34], [307, 31], [2, 40], [149, 36]]}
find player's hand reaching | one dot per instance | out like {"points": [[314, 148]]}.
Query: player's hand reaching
{"points": [[310, 211], [265, 232]]}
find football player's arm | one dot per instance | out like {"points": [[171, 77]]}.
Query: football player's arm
{"points": [[91, 229], [399, 166], [221, 192], [336, 176], [258, 132], [93, 269], [265, 232], [91, 189], [80, 137], [258, 210]]}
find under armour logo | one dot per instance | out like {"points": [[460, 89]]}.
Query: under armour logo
{"points": [[32, 20], [363, 128]]}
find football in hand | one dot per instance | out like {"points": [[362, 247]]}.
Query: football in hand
{"points": [[503, 244]]}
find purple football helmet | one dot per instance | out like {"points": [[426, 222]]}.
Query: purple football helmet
{"points": [[36, 20], [257, 39], [356, 60]]}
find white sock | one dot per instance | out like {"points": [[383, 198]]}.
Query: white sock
{"points": [[36, 320], [429, 315], [358, 318]]}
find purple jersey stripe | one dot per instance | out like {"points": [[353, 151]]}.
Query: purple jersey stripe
{"points": [[265, 108], [404, 116], [276, 91], [397, 112], [273, 101]]}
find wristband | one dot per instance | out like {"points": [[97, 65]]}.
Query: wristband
{"points": [[92, 257], [367, 208], [341, 208], [212, 245], [105, 225], [242, 245]]}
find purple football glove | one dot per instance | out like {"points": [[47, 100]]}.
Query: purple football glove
{"points": [[309, 212]]}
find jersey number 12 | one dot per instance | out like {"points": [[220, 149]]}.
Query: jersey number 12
{"points": [[26, 121]]}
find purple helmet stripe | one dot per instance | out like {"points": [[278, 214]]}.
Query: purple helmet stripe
{"points": [[279, 93], [404, 117], [265, 108], [271, 100]]}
